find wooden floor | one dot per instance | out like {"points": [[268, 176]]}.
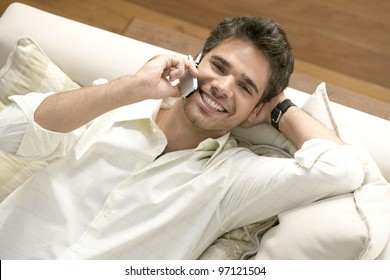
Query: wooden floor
{"points": [[345, 42]]}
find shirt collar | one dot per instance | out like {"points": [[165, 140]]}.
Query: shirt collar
{"points": [[216, 146]]}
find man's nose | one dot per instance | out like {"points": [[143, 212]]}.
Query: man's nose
{"points": [[224, 86]]}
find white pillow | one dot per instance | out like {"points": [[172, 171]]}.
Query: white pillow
{"points": [[351, 226], [372, 198], [27, 69], [328, 229]]}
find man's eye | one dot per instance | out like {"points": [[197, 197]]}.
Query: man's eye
{"points": [[218, 67], [245, 88]]}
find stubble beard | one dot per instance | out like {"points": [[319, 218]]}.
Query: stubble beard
{"points": [[199, 119]]}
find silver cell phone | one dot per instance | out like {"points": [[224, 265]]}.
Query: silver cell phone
{"points": [[189, 83]]}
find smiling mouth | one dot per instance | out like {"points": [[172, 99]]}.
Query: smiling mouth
{"points": [[211, 104]]}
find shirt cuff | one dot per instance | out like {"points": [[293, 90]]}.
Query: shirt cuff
{"points": [[13, 124], [311, 150], [38, 142]]}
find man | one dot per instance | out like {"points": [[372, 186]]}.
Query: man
{"points": [[133, 178]]}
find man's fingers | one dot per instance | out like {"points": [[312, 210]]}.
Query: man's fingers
{"points": [[166, 68], [181, 66], [191, 66]]}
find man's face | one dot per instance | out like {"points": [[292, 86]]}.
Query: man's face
{"points": [[232, 78]]}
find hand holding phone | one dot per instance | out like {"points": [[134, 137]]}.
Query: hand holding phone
{"points": [[189, 83]]}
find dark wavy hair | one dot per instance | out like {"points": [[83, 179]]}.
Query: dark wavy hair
{"points": [[267, 36]]}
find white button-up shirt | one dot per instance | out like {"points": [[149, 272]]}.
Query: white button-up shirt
{"points": [[110, 194]]}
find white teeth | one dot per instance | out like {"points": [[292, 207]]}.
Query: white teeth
{"points": [[211, 104]]}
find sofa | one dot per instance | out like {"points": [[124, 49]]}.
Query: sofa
{"points": [[70, 54]]}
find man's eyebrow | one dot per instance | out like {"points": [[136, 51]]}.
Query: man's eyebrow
{"points": [[226, 63], [222, 60], [250, 82]]}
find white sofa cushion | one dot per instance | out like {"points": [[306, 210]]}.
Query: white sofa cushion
{"points": [[328, 229]]}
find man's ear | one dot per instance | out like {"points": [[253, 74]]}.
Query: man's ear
{"points": [[253, 118]]}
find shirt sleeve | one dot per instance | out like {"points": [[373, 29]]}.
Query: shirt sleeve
{"points": [[265, 186], [13, 124], [37, 142]]}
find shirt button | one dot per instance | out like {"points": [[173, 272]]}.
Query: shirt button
{"points": [[106, 213]]}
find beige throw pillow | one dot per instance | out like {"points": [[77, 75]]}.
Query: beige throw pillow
{"points": [[27, 69]]}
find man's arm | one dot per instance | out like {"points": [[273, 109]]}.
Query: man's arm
{"points": [[299, 127], [66, 111], [295, 124]]}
